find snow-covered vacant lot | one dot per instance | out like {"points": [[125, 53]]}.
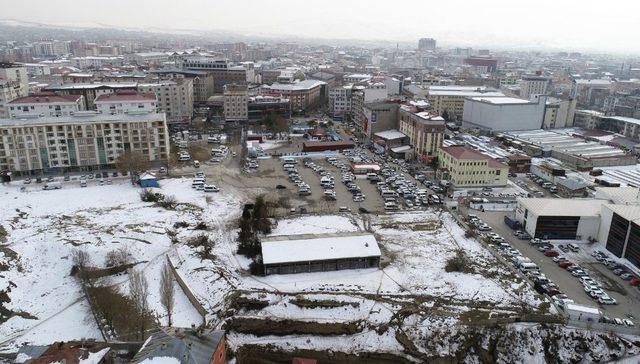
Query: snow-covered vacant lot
{"points": [[410, 310]]}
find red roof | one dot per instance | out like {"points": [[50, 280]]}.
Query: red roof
{"points": [[466, 153], [45, 98], [126, 95]]}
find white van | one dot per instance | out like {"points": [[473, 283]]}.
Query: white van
{"points": [[197, 182], [372, 176], [184, 157], [389, 193], [196, 164], [390, 206], [52, 186], [289, 161]]}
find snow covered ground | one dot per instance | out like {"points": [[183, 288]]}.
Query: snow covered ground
{"points": [[411, 290], [45, 227]]}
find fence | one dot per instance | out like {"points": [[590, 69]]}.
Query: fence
{"points": [[187, 291], [601, 326], [488, 206]]}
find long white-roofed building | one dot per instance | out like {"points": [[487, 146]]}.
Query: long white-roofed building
{"points": [[319, 253]]}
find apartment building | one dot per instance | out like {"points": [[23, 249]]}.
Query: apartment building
{"points": [[236, 103], [14, 83], [90, 91], [122, 102], [534, 85], [466, 167], [425, 131], [451, 98], [203, 82], [304, 95], [45, 104], [340, 101], [222, 71], [83, 141], [174, 98]]}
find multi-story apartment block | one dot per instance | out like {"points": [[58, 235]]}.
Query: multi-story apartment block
{"points": [[14, 83], [340, 101], [82, 141], [261, 106], [425, 131], [236, 103], [90, 91], [203, 85], [587, 119], [534, 85], [304, 95], [451, 98], [465, 167], [123, 102], [175, 98], [426, 44], [45, 104], [222, 71]]}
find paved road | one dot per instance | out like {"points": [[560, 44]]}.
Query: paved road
{"points": [[629, 304]]}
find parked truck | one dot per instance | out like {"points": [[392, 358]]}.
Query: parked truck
{"points": [[512, 223]]}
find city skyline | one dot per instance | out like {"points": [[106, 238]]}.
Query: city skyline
{"points": [[498, 24]]}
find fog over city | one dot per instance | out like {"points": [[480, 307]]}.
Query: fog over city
{"points": [[578, 25]]}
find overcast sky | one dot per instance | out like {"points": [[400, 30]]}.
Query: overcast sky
{"points": [[610, 25]]}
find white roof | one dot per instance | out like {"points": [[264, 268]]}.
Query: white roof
{"points": [[581, 308], [466, 93], [290, 249], [390, 134], [147, 175], [404, 148], [302, 85], [502, 100], [562, 206]]}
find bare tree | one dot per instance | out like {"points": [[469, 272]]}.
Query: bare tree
{"points": [[139, 291], [81, 258], [133, 163], [167, 298]]}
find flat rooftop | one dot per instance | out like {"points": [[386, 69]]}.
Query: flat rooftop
{"points": [[82, 118], [305, 248], [467, 93], [502, 100], [562, 206]]}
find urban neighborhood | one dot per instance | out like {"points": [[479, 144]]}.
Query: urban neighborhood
{"points": [[182, 196]]}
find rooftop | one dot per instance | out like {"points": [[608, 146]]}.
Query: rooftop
{"points": [[562, 206], [298, 86], [390, 134], [127, 95], [502, 100], [466, 153], [46, 98], [296, 248], [83, 118], [469, 93], [84, 86]]}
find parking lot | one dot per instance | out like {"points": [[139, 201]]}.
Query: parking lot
{"points": [[627, 297]]}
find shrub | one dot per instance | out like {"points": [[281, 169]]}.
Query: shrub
{"points": [[200, 240], [180, 224], [118, 257], [257, 267], [3, 232], [201, 226], [147, 195], [168, 203], [469, 234], [458, 263]]}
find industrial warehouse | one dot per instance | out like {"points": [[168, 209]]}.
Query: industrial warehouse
{"points": [[319, 253]]}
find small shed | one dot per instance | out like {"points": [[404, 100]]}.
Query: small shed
{"points": [[147, 180], [577, 312]]}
